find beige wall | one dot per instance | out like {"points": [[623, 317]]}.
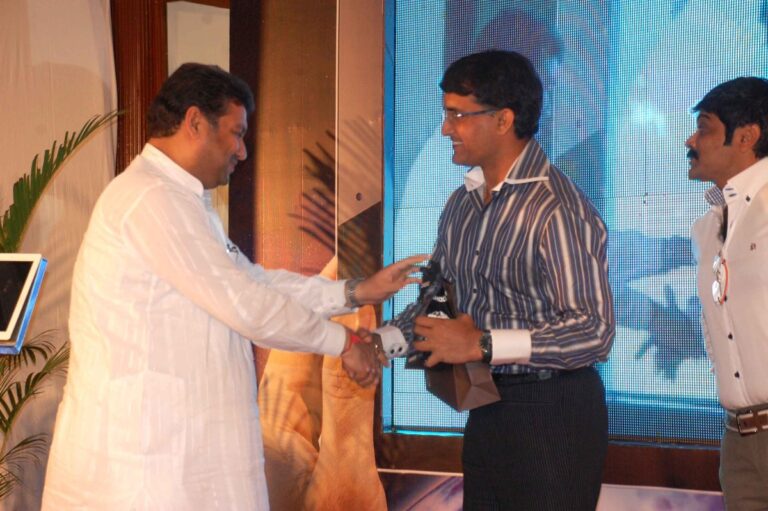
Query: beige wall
{"points": [[58, 71]]}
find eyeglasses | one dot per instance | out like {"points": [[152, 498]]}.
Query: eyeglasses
{"points": [[720, 285], [455, 115]]}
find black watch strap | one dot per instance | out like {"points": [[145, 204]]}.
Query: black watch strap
{"points": [[486, 346]]}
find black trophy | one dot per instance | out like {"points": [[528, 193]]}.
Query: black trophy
{"points": [[436, 300], [460, 386]]}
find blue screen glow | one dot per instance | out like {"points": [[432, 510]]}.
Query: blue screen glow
{"points": [[620, 78]]}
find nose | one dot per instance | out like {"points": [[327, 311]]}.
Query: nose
{"points": [[242, 152], [689, 141], [446, 128]]}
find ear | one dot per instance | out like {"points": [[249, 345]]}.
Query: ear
{"points": [[505, 120], [194, 122], [746, 137]]}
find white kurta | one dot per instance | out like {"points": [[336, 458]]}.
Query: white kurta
{"points": [[159, 410]]}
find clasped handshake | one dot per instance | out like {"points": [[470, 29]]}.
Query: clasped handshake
{"points": [[363, 356]]}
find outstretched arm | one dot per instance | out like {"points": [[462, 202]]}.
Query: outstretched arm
{"points": [[386, 282]]}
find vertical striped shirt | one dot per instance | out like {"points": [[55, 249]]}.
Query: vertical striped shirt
{"points": [[534, 259]]}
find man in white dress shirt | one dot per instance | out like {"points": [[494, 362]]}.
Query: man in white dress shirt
{"points": [[729, 149], [159, 410]]}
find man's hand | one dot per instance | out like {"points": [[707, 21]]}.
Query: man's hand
{"points": [[374, 340], [389, 280], [362, 364], [453, 341]]}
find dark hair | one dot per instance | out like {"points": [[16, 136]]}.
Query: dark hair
{"points": [[499, 79], [738, 103], [207, 87]]}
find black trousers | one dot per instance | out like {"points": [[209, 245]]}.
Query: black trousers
{"points": [[542, 447]]}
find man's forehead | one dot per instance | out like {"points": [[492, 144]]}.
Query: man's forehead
{"points": [[451, 98], [236, 112], [707, 117]]}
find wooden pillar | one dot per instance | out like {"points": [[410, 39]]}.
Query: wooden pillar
{"points": [[244, 46], [141, 66]]}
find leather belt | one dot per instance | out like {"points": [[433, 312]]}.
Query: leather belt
{"points": [[515, 379], [748, 421]]}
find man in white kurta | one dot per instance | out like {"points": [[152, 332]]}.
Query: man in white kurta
{"points": [[159, 410]]}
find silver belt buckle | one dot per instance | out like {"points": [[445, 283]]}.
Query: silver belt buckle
{"points": [[743, 430], [764, 424]]}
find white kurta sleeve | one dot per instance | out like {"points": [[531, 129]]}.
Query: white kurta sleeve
{"points": [[321, 295], [171, 232]]}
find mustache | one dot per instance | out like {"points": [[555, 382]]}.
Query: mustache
{"points": [[692, 154]]}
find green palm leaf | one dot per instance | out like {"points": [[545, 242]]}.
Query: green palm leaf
{"points": [[28, 189], [40, 346], [14, 394], [26, 450]]}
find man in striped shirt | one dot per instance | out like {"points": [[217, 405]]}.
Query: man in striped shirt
{"points": [[526, 253]]}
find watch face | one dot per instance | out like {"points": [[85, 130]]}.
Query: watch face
{"points": [[485, 346]]}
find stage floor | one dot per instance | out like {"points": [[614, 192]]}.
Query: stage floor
{"points": [[417, 491]]}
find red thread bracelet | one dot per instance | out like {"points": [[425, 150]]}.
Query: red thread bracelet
{"points": [[353, 339]]}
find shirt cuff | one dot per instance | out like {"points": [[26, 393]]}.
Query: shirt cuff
{"points": [[334, 299], [337, 338], [511, 347], [392, 341]]}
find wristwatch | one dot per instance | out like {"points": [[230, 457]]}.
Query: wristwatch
{"points": [[486, 346], [349, 292]]}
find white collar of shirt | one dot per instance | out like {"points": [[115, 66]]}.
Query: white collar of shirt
{"points": [[745, 185], [740, 189], [172, 169], [475, 178]]}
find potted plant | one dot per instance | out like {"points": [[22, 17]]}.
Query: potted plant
{"points": [[20, 376]]}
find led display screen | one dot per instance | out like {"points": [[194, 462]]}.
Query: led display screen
{"points": [[620, 78]]}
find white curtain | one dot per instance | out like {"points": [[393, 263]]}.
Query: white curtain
{"points": [[56, 71]]}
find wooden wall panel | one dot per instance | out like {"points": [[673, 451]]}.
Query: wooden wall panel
{"points": [[286, 51], [282, 198], [244, 47], [141, 66], [643, 465], [360, 119]]}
